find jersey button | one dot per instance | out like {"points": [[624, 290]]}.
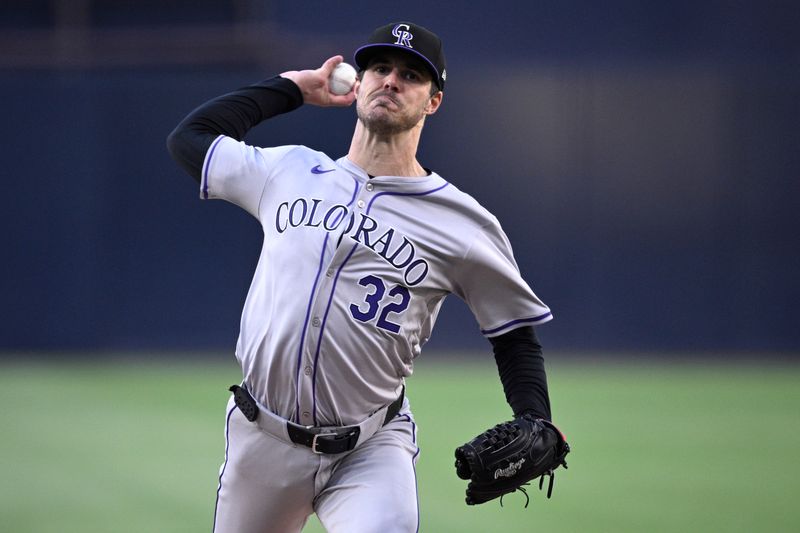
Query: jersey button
{"points": [[361, 204], [329, 273], [307, 371], [306, 416], [316, 322], [370, 186]]}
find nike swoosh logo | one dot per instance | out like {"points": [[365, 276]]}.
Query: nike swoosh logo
{"points": [[318, 170]]}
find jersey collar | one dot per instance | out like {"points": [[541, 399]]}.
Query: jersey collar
{"points": [[393, 182]]}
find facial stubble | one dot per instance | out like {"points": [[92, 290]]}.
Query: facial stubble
{"points": [[386, 122]]}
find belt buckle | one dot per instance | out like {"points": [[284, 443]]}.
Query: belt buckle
{"points": [[314, 441]]}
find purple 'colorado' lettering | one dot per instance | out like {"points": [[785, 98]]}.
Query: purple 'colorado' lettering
{"points": [[278, 227], [334, 217], [406, 246], [361, 228], [385, 240], [293, 221], [406, 275], [310, 222]]}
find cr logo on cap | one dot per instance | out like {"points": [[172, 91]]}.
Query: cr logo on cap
{"points": [[403, 35]]}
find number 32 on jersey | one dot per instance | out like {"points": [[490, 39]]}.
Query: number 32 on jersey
{"points": [[380, 303]]}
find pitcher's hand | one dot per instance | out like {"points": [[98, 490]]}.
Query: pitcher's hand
{"points": [[314, 85]]}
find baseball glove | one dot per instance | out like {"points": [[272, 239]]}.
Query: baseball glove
{"points": [[506, 457]]}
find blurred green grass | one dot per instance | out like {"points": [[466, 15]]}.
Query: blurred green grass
{"points": [[134, 444]]}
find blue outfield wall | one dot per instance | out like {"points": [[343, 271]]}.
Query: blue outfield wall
{"points": [[646, 168], [644, 229]]}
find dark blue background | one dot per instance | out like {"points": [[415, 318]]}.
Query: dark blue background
{"points": [[644, 159]]}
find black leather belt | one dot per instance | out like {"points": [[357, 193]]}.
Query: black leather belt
{"points": [[328, 440], [336, 440]]}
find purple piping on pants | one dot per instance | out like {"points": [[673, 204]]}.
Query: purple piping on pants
{"points": [[414, 461], [224, 465]]}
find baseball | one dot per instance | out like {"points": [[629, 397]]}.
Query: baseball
{"points": [[342, 79]]}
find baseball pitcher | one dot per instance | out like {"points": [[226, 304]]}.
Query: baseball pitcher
{"points": [[359, 253]]}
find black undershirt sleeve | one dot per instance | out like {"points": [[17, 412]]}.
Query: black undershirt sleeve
{"points": [[521, 366], [232, 114]]}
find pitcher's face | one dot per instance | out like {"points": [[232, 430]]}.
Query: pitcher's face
{"points": [[394, 94]]}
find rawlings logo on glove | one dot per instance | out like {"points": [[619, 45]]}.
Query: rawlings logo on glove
{"points": [[510, 470], [506, 457]]}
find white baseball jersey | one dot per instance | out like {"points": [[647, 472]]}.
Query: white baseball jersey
{"points": [[352, 274]]}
